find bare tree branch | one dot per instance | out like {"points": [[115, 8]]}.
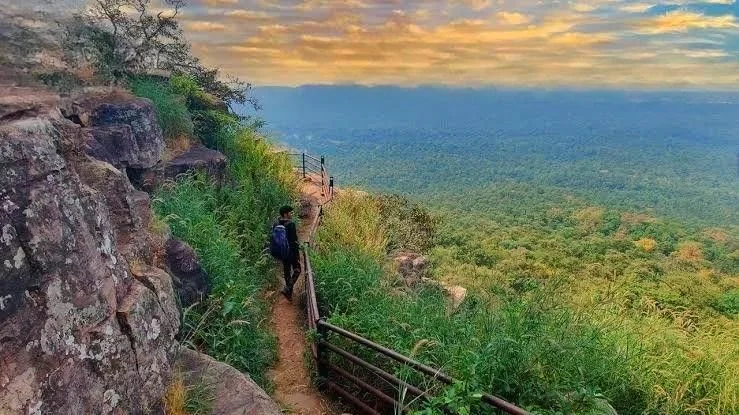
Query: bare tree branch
{"points": [[123, 43]]}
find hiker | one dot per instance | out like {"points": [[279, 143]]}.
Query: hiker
{"points": [[285, 247]]}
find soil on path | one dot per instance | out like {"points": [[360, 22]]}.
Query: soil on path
{"points": [[294, 389]]}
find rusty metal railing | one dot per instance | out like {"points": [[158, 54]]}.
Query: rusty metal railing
{"points": [[381, 391]]}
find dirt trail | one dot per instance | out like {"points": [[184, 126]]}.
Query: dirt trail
{"points": [[293, 386]]}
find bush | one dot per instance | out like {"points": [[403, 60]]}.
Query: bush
{"points": [[409, 225], [172, 113], [728, 303]]}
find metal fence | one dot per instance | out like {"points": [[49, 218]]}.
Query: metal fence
{"points": [[309, 165], [363, 380]]}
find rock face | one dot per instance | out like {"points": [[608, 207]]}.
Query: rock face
{"points": [[189, 278], [197, 158], [119, 129], [212, 162], [411, 267], [234, 393], [87, 323]]}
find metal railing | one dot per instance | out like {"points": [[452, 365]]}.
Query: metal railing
{"points": [[308, 165], [366, 385]]}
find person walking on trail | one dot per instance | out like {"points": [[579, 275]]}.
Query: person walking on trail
{"points": [[286, 248]]}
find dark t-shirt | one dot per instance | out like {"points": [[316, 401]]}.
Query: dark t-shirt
{"points": [[292, 235]]}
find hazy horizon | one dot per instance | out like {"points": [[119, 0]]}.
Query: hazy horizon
{"points": [[668, 151]]}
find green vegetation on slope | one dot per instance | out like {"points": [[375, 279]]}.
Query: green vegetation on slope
{"points": [[227, 226], [569, 303], [172, 110]]}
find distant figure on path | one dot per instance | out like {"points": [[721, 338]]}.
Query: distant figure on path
{"points": [[286, 248]]}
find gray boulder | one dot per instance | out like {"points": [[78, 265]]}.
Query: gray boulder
{"points": [[121, 129], [233, 392], [82, 331], [411, 268], [197, 158], [189, 279]]}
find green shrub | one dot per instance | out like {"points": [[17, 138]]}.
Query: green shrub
{"points": [[409, 225], [728, 303], [230, 325], [171, 107]]}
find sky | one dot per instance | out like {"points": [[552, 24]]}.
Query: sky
{"points": [[647, 44], [585, 43]]}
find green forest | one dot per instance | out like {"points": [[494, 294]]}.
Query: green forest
{"points": [[571, 307], [601, 261]]}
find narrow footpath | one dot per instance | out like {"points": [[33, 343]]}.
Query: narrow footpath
{"points": [[294, 389]]}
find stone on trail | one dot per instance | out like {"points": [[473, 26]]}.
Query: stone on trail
{"points": [[233, 392]]}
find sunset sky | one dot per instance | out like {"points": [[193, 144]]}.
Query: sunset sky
{"points": [[587, 43], [576, 44]]}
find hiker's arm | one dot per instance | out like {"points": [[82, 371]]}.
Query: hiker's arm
{"points": [[292, 234]]}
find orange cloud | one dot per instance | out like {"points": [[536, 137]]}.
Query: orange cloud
{"points": [[682, 21], [513, 18], [414, 42], [199, 26]]}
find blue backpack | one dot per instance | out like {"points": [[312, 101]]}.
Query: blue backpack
{"points": [[278, 246]]}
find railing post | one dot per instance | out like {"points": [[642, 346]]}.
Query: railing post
{"points": [[323, 176], [331, 187], [321, 352], [304, 164]]}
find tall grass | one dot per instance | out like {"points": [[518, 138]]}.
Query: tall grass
{"points": [[533, 347], [171, 107], [227, 224]]}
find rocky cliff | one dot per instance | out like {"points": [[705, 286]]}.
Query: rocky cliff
{"points": [[89, 288], [87, 320]]}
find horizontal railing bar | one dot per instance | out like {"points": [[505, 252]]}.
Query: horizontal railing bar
{"points": [[503, 404], [362, 384], [314, 170], [311, 291], [361, 405], [387, 352], [383, 374], [492, 400]]}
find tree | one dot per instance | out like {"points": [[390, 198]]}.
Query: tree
{"points": [[124, 38]]}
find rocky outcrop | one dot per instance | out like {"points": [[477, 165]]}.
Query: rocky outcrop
{"points": [[411, 268], [119, 129], [234, 393], [456, 294], [201, 158], [20, 102], [189, 278], [197, 158], [87, 323]]}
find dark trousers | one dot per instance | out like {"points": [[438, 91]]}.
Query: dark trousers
{"points": [[291, 270]]}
